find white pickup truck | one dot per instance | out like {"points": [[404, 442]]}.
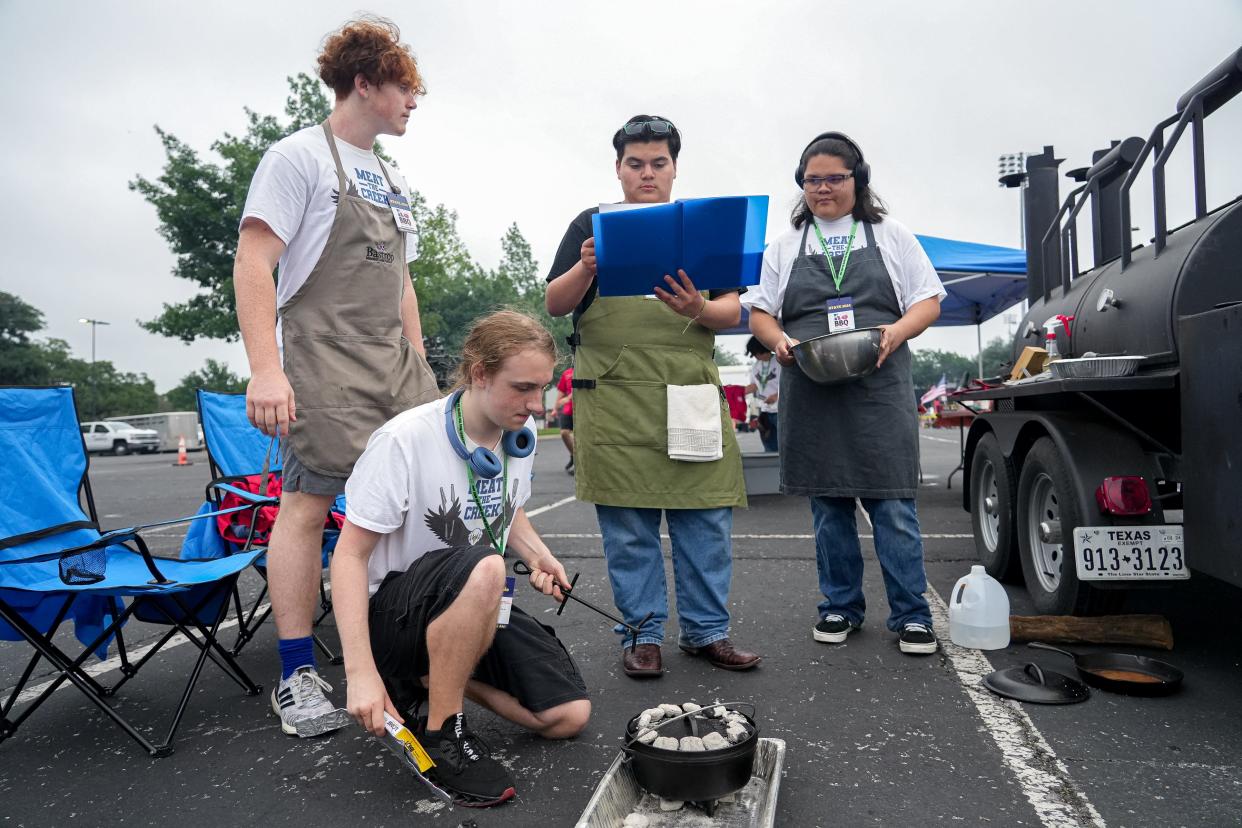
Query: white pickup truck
{"points": [[119, 438]]}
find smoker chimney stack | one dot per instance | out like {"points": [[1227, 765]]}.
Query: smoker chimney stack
{"points": [[1040, 203]]}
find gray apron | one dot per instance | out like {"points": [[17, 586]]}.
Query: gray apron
{"points": [[350, 366], [860, 438]]}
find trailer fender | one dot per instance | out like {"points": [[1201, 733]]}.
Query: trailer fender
{"points": [[1092, 447]]}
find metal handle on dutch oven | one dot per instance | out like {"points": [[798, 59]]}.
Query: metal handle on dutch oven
{"points": [[1039, 645], [656, 726]]}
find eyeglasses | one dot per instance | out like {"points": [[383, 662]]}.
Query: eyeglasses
{"points": [[655, 127], [815, 182]]}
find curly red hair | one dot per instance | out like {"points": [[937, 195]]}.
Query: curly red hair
{"points": [[370, 47]]}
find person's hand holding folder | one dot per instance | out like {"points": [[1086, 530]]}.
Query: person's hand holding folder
{"points": [[682, 298]]}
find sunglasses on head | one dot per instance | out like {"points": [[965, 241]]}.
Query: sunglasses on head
{"points": [[657, 126]]}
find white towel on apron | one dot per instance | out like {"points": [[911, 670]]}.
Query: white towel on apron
{"points": [[694, 433]]}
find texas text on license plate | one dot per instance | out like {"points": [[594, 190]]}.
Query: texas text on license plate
{"points": [[1128, 553]]}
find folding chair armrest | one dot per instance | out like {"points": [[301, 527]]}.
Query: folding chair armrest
{"points": [[253, 497]]}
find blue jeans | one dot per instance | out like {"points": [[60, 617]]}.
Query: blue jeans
{"points": [[898, 545], [702, 570]]}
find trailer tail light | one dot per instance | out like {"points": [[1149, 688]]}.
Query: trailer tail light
{"points": [[1123, 496]]}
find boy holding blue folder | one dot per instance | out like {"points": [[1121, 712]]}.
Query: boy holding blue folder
{"points": [[628, 351]]}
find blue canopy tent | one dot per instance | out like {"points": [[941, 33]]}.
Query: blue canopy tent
{"points": [[982, 280]]}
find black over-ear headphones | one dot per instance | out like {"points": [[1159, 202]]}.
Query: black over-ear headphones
{"points": [[483, 462], [862, 170]]}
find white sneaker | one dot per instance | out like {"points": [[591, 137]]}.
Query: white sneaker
{"points": [[303, 708]]}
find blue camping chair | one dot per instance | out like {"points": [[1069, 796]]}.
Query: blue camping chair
{"points": [[236, 450], [57, 567]]}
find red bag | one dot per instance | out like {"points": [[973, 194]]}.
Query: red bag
{"points": [[235, 526]]}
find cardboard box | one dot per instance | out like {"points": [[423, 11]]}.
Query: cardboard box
{"points": [[1032, 361]]}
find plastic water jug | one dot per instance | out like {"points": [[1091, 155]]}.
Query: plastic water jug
{"points": [[979, 612]]}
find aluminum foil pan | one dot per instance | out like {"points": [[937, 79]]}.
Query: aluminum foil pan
{"points": [[1095, 367], [618, 794]]}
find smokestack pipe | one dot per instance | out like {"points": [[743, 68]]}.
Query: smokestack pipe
{"points": [[1106, 175], [1040, 204]]}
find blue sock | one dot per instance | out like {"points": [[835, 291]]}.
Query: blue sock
{"points": [[295, 653]]}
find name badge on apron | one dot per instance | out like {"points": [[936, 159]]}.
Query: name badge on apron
{"points": [[401, 213], [840, 313], [506, 602]]}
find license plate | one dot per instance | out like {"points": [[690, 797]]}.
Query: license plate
{"points": [[1130, 553]]}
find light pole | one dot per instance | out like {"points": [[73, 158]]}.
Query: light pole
{"points": [[94, 323], [1012, 173]]}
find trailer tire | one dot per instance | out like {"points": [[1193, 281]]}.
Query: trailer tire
{"points": [[993, 487], [1046, 495]]}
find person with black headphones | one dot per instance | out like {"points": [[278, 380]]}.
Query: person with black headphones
{"points": [[844, 266], [419, 581]]}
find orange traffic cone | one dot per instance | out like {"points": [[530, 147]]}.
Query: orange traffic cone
{"points": [[182, 458]]}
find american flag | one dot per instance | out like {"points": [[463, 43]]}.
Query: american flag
{"points": [[938, 390]]}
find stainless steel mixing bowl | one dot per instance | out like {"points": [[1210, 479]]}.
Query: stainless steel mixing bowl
{"points": [[839, 357]]}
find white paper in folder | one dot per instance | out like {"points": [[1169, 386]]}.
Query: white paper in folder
{"points": [[694, 433]]}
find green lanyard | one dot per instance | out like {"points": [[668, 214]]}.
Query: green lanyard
{"points": [[837, 279], [763, 378], [498, 545]]}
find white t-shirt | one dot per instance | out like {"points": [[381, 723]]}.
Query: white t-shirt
{"points": [[914, 278], [294, 192], [766, 377], [411, 487]]}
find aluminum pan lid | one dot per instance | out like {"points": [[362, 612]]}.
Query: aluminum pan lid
{"points": [[1030, 683]]}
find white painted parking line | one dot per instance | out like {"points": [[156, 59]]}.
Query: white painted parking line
{"points": [[1044, 779], [938, 439], [550, 506]]}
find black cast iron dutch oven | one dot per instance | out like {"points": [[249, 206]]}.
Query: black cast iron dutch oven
{"points": [[691, 776]]}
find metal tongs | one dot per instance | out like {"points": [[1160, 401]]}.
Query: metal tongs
{"points": [[521, 568]]}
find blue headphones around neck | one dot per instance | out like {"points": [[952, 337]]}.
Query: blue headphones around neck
{"points": [[483, 462]]}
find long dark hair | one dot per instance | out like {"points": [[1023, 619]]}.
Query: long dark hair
{"points": [[867, 205]]}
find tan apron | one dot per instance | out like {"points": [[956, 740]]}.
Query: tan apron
{"points": [[629, 349], [350, 366]]}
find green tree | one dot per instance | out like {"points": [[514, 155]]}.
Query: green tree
{"points": [[214, 376], [100, 389], [22, 361], [199, 203], [929, 365], [726, 357], [998, 357]]}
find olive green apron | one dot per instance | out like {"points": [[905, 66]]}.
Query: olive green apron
{"points": [[350, 366], [629, 350]]}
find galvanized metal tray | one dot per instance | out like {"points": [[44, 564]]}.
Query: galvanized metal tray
{"points": [[1095, 367], [618, 795]]}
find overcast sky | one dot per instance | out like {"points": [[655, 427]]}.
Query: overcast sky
{"points": [[523, 98]]}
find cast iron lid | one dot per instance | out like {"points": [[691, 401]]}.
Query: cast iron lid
{"points": [[1030, 683]]}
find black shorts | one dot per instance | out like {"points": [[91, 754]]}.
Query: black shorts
{"points": [[567, 422], [526, 659]]}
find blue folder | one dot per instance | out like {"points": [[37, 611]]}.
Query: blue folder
{"points": [[717, 241]]}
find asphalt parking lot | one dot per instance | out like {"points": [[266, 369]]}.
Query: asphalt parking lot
{"points": [[873, 737]]}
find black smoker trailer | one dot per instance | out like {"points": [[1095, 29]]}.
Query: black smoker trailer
{"points": [[1091, 486]]}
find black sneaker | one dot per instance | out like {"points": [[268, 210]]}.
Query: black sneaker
{"points": [[917, 639], [464, 766], [833, 629]]}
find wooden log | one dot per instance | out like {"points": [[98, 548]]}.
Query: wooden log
{"points": [[1135, 630]]}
